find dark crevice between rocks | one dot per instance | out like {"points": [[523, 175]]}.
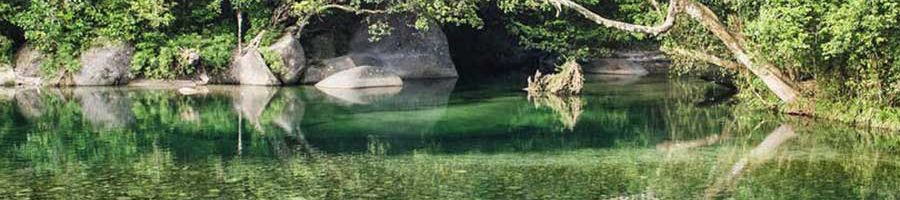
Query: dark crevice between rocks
{"points": [[482, 54], [13, 32]]}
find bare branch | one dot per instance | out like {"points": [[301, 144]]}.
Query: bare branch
{"points": [[654, 30], [351, 9]]}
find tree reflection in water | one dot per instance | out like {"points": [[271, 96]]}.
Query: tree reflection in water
{"points": [[647, 140]]}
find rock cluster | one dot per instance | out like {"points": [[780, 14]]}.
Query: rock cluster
{"points": [[406, 53]]}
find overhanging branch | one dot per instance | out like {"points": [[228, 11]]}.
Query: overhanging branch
{"points": [[768, 73], [667, 23]]}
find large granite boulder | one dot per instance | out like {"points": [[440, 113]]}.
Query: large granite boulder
{"points": [[105, 65], [618, 66], [293, 57], [407, 51], [251, 69], [361, 77], [322, 46], [28, 66]]}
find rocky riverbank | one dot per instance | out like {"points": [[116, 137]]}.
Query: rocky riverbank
{"points": [[407, 53]]}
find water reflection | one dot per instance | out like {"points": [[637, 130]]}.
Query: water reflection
{"points": [[567, 107], [647, 140], [105, 107], [360, 96], [32, 102]]}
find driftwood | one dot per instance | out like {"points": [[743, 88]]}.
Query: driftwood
{"points": [[559, 92], [569, 81]]}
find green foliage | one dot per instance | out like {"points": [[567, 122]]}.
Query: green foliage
{"points": [[841, 51], [273, 60], [6, 50], [63, 29], [158, 56], [543, 27]]}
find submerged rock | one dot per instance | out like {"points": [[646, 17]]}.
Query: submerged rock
{"points": [[407, 51], [187, 91], [334, 65], [106, 65], [362, 96], [414, 94], [250, 69], [361, 77], [615, 66], [293, 57], [614, 79], [28, 66]]}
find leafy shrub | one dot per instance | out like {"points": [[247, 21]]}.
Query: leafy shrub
{"points": [[273, 60], [159, 57], [6, 50]]}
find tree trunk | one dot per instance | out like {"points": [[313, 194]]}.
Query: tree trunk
{"points": [[240, 38], [769, 74]]}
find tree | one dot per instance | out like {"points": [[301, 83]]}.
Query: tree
{"points": [[773, 77]]}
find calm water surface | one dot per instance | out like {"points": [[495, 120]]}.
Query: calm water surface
{"points": [[625, 138]]}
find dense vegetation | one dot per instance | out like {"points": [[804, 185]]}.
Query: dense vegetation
{"points": [[834, 51]]}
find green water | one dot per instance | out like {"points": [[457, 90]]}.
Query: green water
{"points": [[648, 138]]}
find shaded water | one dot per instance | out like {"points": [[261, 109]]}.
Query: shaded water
{"points": [[643, 138]]}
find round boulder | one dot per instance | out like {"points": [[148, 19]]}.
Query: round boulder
{"points": [[361, 77], [251, 69], [28, 66], [292, 55], [105, 65], [407, 51]]}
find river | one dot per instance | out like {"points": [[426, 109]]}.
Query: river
{"points": [[624, 138]]}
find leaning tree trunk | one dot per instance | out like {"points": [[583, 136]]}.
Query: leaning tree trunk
{"points": [[769, 74]]}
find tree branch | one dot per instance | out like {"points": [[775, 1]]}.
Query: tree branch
{"points": [[654, 30], [350, 9], [769, 74]]}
